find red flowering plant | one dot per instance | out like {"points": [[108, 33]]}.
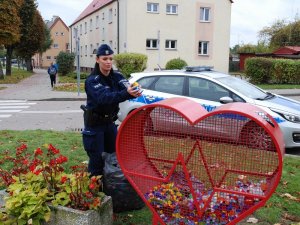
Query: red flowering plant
{"points": [[39, 179]]}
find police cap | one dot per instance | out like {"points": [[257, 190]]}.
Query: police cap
{"points": [[104, 49]]}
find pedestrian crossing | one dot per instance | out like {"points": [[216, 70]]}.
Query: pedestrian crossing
{"points": [[9, 107]]}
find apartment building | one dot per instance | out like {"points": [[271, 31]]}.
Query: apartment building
{"points": [[60, 35], [197, 31]]}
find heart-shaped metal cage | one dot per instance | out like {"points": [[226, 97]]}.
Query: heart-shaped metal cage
{"points": [[192, 166]]}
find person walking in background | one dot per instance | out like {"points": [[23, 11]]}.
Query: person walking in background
{"points": [[105, 89], [52, 71]]}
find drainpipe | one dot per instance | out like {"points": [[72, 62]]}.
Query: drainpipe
{"points": [[118, 26]]}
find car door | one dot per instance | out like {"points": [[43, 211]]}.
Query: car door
{"points": [[208, 94]]}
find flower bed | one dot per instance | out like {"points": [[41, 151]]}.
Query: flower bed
{"points": [[61, 215], [38, 189]]}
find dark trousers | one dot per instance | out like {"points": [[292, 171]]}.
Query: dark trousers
{"points": [[97, 140], [53, 80]]}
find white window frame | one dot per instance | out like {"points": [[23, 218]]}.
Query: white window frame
{"points": [[152, 43], [152, 7], [169, 43], [172, 9], [110, 15], [97, 22], [91, 24], [205, 14], [91, 49], [203, 48]]}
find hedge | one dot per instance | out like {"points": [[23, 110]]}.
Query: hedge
{"points": [[268, 70], [128, 63]]}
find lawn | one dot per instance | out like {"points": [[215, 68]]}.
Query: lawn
{"points": [[16, 76], [283, 207]]}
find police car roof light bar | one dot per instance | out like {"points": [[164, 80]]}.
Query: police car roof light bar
{"points": [[198, 68]]}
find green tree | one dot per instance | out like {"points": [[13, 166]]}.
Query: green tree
{"points": [[33, 33], [287, 36], [281, 33], [48, 40], [65, 62], [9, 29]]}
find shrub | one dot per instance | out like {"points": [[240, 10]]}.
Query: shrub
{"points": [[128, 63], [175, 64], [83, 75], [258, 69], [65, 62], [286, 71]]}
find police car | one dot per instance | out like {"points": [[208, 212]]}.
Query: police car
{"points": [[212, 89]]}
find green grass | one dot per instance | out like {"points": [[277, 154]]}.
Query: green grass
{"points": [[69, 83], [282, 208], [279, 86], [16, 76]]}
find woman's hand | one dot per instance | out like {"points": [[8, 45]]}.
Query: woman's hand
{"points": [[135, 91]]}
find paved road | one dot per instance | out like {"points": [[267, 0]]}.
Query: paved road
{"points": [[32, 104]]}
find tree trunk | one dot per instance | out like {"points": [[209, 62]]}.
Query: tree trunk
{"points": [[1, 72], [9, 51], [28, 64]]}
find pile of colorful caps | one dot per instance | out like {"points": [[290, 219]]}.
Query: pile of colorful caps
{"points": [[177, 206]]}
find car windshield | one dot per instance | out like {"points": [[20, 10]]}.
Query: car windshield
{"points": [[243, 87]]}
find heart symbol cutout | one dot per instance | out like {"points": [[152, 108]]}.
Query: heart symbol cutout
{"points": [[191, 166]]}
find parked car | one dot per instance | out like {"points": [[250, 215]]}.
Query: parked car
{"points": [[212, 89]]}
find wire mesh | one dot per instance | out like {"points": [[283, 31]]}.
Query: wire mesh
{"points": [[213, 171]]}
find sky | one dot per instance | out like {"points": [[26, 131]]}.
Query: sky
{"points": [[248, 17]]}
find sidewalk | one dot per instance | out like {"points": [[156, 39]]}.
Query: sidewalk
{"points": [[37, 87]]}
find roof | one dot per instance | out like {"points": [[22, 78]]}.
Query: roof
{"points": [[288, 50], [55, 19], [91, 8]]}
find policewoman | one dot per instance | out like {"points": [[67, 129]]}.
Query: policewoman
{"points": [[105, 89]]}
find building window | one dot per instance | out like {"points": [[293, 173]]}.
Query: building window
{"points": [[56, 33], [67, 46], [110, 16], [80, 29], [204, 14], [81, 51], [85, 27], [203, 48], [62, 34], [97, 21], [91, 24], [91, 49], [152, 44], [48, 57], [55, 45], [85, 50], [103, 16], [152, 7], [171, 44], [172, 9]]}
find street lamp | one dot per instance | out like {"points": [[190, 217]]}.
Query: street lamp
{"points": [[77, 40]]}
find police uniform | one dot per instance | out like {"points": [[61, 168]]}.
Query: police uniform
{"points": [[104, 93]]}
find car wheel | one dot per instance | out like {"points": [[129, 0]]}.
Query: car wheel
{"points": [[255, 136]]}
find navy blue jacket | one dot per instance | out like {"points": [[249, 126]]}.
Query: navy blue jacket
{"points": [[104, 93]]}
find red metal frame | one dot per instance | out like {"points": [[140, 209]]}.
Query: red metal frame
{"points": [[188, 142]]}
